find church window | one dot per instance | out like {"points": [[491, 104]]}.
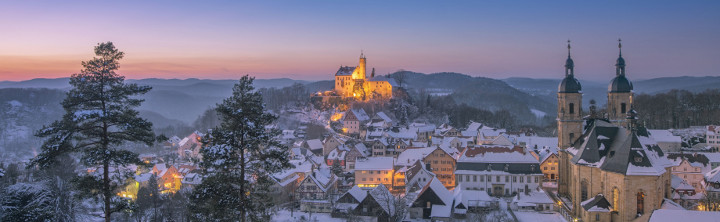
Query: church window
{"points": [[572, 108], [583, 190], [597, 217], [615, 197], [640, 202], [572, 137], [622, 107]]}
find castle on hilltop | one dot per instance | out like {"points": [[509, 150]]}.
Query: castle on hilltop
{"points": [[352, 82]]}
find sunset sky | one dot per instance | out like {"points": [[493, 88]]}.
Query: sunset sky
{"points": [[311, 39]]}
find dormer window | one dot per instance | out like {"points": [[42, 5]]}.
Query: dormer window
{"points": [[638, 159]]}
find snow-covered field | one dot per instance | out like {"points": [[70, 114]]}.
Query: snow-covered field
{"points": [[531, 216]]}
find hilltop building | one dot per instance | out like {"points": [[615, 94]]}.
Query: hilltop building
{"points": [[352, 82]]}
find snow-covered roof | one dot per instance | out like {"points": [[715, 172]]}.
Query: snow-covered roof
{"points": [[374, 163], [474, 127], [618, 149], [596, 204], [442, 211], [496, 154], [357, 193], [360, 114], [337, 154], [713, 176], [475, 198], [667, 215], [410, 156], [402, 133], [362, 149], [345, 71], [383, 116], [532, 198], [314, 144], [671, 205], [664, 136], [439, 189], [143, 177], [381, 78]]}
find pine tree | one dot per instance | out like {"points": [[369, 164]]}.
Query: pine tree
{"points": [[237, 155], [99, 116]]}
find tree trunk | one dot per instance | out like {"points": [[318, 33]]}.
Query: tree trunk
{"points": [[106, 189], [242, 186]]}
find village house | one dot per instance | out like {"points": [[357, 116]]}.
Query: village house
{"points": [[316, 191], [712, 136], [434, 202], [358, 150], [690, 167], [315, 146], [189, 147], [471, 201], [442, 164], [498, 170], [353, 119], [712, 190], [371, 171]]}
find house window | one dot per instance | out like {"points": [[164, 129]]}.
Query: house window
{"points": [[597, 217], [507, 179], [536, 179], [522, 179], [467, 178], [474, 178], [514, 179]]}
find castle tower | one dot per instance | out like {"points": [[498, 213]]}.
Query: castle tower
{"points": [[360, 70], [569, 118], [620, 93]]}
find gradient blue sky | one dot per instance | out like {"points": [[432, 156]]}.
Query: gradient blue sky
{"points": [[311, 39]]}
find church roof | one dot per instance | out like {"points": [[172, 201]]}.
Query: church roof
{"points": [[345, 71], [620, 84], [570, 85], [617, 149]]}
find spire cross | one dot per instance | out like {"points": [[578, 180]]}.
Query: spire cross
{"points": [[620, 46], [568, 48]]}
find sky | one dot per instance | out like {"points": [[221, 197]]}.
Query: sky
{"points": [[310, 39]]}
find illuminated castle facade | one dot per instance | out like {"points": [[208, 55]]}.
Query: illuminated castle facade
{"points": [[352, 82]]}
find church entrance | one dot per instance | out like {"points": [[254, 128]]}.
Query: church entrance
{"points": [[498, 189]]}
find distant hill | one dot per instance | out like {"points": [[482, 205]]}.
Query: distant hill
{"points": [[480, 92], [173, 99], [547, 88]]}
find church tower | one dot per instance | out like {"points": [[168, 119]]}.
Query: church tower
{"points": [[570, 119], [620, 93]]}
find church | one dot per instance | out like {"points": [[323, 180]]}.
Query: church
{"points": [[352, 82], [610, 168]]}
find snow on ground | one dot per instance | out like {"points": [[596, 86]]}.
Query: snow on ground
{"points": [[284, 216], [535, 216], [538, 113]]}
